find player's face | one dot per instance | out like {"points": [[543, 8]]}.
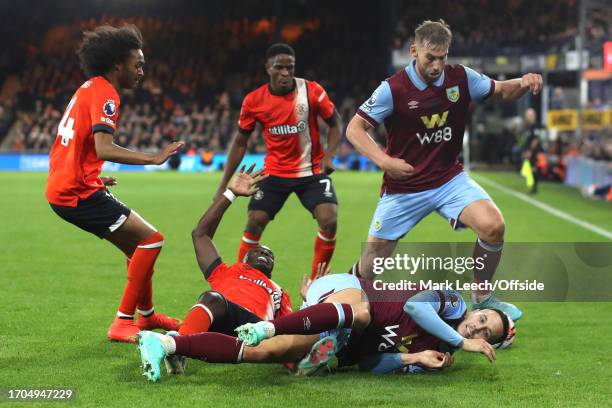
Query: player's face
{"points": [[430, 60], [482, 324], [281, 69], [262, 259], [131, 71]]}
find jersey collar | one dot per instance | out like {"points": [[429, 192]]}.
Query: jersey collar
{"points": [[416, 79]]}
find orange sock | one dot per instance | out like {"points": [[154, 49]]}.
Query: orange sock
{"points": [[139, 273], [247, 242], [198, 320], [145, 303], [325, 243]]}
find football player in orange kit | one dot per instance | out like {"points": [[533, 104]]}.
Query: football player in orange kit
{"points": [[243, 292], [288, 109], [113, 60]]}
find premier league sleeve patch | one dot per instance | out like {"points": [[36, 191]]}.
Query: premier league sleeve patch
{"points": [[109, 108]]}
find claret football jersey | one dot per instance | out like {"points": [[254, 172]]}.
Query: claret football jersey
{"points": [[425, 123], [74, 167], [290, 126]]}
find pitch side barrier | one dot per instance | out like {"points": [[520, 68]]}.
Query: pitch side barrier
{"points": [[188, 163]]}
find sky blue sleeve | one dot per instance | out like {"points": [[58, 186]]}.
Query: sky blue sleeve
{"points": [[388, 363], [379, 106], [479, 85], [424, 307], [383, 363]]}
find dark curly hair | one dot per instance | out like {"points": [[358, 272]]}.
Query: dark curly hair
{"points": [[105, 46]]}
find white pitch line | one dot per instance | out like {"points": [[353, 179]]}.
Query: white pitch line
{"points": [[549, 209]]}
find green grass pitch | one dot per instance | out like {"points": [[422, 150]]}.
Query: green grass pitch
{"points": [[61, 286]]}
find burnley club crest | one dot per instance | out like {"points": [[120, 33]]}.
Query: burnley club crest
{"points": [[452, 93]]}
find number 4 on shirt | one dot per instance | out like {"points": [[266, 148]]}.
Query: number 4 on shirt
{"points": [[66, 126]]}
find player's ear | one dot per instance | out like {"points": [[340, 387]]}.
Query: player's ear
{"points": [[413, 50], [268, 67]]}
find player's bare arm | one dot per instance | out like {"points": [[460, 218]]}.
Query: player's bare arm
{"points": [[107, 150], [357, 134], [235, 155], [513, 89], [333, 141], [243, 184]]}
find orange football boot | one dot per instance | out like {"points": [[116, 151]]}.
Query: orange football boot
{"points": [[123, 330], [157, 321]]}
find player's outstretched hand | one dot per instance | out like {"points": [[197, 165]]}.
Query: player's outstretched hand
{"points": [[244, 182], [167, 151], [322, 270], [109, 180], [434, 359], [397, 168], [479, 346], [533, 82]]}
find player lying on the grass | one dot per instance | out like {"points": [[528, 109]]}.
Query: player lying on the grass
{"points": [[380, 326], [113, 60], [242, 292], [384, 319], [214, 347]]}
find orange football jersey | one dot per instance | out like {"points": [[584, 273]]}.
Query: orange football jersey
{"points": [[290, 126], [74, 168], [246, 286]]}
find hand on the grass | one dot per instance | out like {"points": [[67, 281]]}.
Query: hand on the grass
{"points": [[322, 270], [109, 181], [244, 182], [479, 346], [434, 359]]}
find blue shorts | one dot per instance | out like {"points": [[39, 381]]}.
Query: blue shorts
{"points": [[396, 214], [326, 286]]}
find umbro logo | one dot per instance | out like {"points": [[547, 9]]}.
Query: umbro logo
{"points": [[413, 104]]}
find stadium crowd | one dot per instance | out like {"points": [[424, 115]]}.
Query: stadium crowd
{"points": [[540, 26], [201, 64]]}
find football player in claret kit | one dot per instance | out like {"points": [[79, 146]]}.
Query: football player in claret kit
{"points": [[425, 109], [288, 109], [113, 59]]}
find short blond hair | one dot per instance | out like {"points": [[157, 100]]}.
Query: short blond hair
{"points": [[433, 33]]}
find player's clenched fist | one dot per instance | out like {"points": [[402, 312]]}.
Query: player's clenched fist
{"points": [[397, 168], [533, 82]]}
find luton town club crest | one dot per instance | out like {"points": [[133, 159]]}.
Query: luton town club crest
{"points": [[452, 93]]}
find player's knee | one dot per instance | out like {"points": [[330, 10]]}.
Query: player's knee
{"points": [[215, 302], [329, 225], [493, 231]]}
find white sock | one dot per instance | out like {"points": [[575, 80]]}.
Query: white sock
{"points": [[270, 329], [168, 342]]}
